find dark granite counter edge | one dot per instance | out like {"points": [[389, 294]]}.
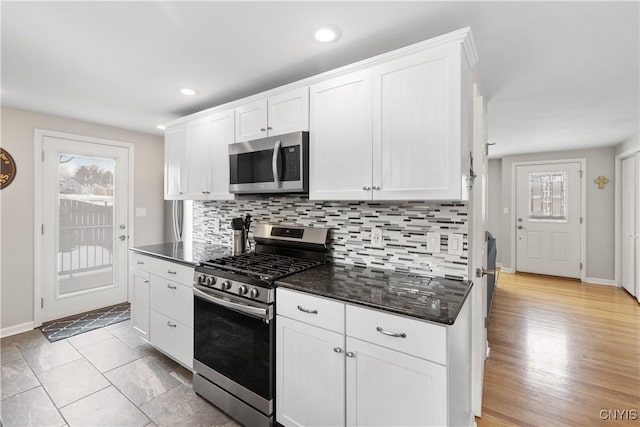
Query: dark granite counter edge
{"points": [[163, 256], [381, 307]]}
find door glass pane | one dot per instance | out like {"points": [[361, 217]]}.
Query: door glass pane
{"points": [[85, 228], [548, 196]]}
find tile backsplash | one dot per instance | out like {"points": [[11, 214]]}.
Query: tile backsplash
{"points": [[404, 225]]}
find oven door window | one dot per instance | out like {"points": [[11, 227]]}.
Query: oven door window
{"points": [[235, 345], [256, 166]]}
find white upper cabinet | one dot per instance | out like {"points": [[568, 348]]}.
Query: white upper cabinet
{"points": [[197, 158], [174, 161], [288, 112], [279, 114], [417, 126], [340, 138], [251, 121], [221, 128]]}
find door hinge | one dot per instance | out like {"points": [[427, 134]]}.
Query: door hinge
{"points": [[580, 220], [580, 266], [580, 174], [41, 302], [42, 229]]}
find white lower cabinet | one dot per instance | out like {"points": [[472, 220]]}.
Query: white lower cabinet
{"points": [[162, 305], [372, 369], [389, 388], [310, 381]]}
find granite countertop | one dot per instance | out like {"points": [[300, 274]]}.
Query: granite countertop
{"points": [[435, 299], [190, 254]]}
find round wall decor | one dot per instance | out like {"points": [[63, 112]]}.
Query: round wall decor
{"points": [[7, 169]]}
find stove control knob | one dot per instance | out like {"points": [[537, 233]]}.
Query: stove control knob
{"points": [[226, 285], [201, 278], [254, 293], [210, 281], [242, 290]]}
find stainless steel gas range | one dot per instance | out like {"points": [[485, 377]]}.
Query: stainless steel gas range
{"points": [[234, 328]]}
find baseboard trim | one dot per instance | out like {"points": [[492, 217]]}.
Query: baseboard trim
{"points": [[596, 281], [498, 264], [16, 329], [507, 270]]}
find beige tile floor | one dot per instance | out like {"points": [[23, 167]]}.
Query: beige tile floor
{"points": [[106, 377]]}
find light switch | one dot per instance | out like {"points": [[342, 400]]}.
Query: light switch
{"points": [[433, 243], [505, 211], [455, 244], [141, 211]]}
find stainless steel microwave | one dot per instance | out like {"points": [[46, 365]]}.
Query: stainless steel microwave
{"points": [[277, 164]]}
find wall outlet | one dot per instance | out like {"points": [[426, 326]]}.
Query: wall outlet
{"points": [[376, 238], [455, 244], [216, 224], [141, 212], [433, 243]]}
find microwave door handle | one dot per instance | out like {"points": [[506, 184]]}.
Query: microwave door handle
{"points": [[274, 163]]}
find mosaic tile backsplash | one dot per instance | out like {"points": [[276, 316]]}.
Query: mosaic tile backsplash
{"points": [[404, 224]]}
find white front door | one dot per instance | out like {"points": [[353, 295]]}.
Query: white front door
{"points": [[84, 228], [548, 219], [629, 199]]}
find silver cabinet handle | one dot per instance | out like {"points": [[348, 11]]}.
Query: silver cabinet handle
{"points": [[306, 310], [350, 354], [146, 281], [171, 286], [262, 129], [274, 163], [172, 272], [337, 349], [206, 192], [140, 262], [171, 325], [366, 188], [269, 128], [375, 187], [391, 334]]}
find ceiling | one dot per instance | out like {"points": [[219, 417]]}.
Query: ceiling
{"points": [[555, 75]]}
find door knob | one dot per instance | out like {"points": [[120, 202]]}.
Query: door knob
{"points": [[481, 272], [520, 227], [123, 237]]}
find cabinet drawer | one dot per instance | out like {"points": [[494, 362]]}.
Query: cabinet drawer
{"points": [[310, 309], [140, 262], [421, 339], [172, 299], [172, 337], [173, 271]]}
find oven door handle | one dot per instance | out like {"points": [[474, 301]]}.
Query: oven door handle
{"points": [[261, 313]]}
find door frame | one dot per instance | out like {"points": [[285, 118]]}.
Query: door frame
{"points": [[38, 141], [583, 209], [618, 215]]}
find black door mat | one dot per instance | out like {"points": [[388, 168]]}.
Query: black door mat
{"points": [[70, 326]]}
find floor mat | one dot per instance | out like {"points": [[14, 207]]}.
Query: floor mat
{"points": [[69, 326]]}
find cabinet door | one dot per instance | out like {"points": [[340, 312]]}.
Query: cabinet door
{"points": [[174, 150], [198, 154], [288, 112], [251, 121], [222, 129], [309, 375], [340, 138], [140, 302], [386, 387], [416, 132]]}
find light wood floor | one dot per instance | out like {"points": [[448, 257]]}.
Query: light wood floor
{"points": [[561, 351]]}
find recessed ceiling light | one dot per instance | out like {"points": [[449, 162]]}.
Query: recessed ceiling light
{"points": [[188, 92], [161, 127], [325, 35]]}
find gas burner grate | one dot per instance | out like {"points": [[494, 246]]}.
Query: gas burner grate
{"points": [[261, 265]]}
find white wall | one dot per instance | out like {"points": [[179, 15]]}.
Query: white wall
{"points": [[600, 207], [16, 201], [495, 204]]}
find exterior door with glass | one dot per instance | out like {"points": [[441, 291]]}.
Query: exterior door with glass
{"points": [[85, 193], [548, 231]]}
